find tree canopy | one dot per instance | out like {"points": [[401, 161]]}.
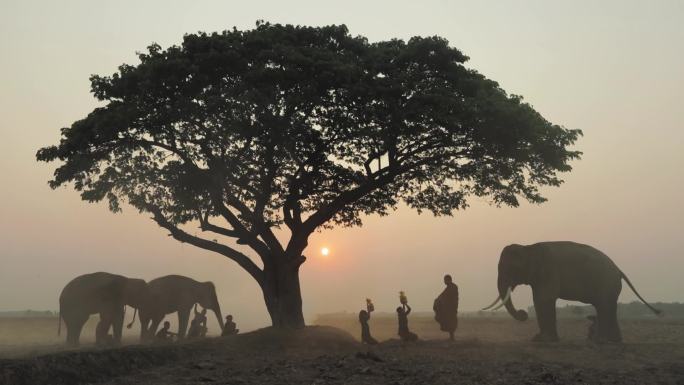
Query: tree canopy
{"points": [[303, 127]]}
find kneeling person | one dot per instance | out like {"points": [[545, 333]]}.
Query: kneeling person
{"points": [[404, 333], [195, 330]]}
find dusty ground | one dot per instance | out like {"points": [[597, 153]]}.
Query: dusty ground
{"points": [[487, 351], [29, 337]]}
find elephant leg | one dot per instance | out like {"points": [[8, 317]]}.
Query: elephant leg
{"points": [[538, 310], [608, 328], [183, 318], [546, 319], [117, 325], [144, 327], [156, 320], [74, 324], [102, 328]]}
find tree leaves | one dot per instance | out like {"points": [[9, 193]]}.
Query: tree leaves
{"points": [[307, 126]]}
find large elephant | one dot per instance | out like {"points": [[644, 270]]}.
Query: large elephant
{"points": [[103, 293], [176, 293], [563, 270]]}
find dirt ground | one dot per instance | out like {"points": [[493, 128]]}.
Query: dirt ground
{"points": [[487, 350]]}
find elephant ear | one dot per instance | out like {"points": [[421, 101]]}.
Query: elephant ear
{"points": [[208, 288], [539, 261]]}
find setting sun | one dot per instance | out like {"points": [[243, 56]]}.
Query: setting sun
{"points": [[325, 251]]}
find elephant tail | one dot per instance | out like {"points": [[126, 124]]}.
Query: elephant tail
{"points": [[654, 310], [59, 322], [130, 325]]}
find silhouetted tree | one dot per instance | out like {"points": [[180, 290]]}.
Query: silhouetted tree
{"points": [[306, 128]]}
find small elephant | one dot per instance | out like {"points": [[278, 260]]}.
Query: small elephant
{"points": [[103, 293], [176, 293], [565, 270]]}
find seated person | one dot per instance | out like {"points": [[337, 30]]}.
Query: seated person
{"points": [[364, 317], [201, 318], [404, 332], [229, 328], [195, 330], [366, 337], [164, 335]]}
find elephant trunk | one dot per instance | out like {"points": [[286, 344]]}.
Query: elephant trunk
{"points": [[505, 295]]}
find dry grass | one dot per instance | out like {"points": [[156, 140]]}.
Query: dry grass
{"points": [[29, 336], [487, 350], [504, 329]]}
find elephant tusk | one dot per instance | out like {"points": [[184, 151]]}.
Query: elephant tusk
{"points": [[498, 298], [504, 300]]}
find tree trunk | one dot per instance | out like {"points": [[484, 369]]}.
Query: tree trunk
{"points": [[282, 294]]}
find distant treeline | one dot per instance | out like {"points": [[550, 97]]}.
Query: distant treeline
{"points": [[28, 314], [625, 310]]}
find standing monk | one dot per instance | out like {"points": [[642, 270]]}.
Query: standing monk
{"points": [[446, 307]]}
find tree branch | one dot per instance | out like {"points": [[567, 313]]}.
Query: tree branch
{"points": [[244, 261], [164, 146], [205, 225], [244, 235], [327, 212], [257, 218]]}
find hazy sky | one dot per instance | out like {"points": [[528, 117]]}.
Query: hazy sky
{"points": [[614, 69]]}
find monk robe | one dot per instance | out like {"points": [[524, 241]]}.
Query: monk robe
{"points": [[446, 308]]}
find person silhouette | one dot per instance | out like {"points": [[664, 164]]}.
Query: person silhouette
{"points": [[446, 307], [201, 318], [164, 335], [195, 330], [404, 332], [229, 327], [364, 317]]}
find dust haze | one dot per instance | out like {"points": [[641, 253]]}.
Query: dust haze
{"points": [[612, 69]]}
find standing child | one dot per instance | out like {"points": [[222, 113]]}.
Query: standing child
{"points": [[364, 317]]}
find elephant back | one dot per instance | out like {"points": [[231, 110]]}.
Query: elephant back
{"points": [[89, 291], [169, 291]]}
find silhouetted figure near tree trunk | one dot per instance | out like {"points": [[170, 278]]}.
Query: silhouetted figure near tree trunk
{"points": [[229, 327], [196, 330], [446, 307], [201, 318], [364, 317], [404, 332], [164, 335]]}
